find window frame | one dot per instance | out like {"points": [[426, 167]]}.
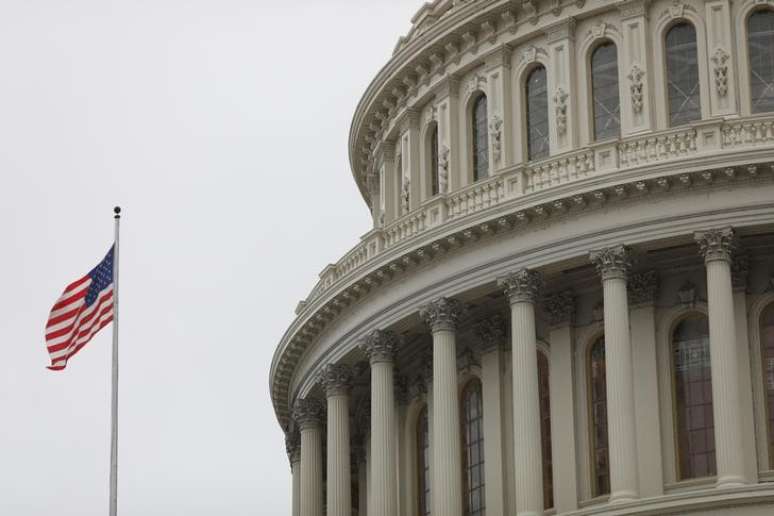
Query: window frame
{"points": [[590, 417], [473, 102], [755, 9], [591, 112], [526, 75], [472, 381]]}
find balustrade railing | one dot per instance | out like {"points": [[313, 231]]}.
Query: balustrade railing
{"points": [[482, 195]]}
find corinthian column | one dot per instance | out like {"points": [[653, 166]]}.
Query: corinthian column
{"points": [[442, 316], [337, 380], [308, 414], [716, 246], [380, 347], [293, 447], [521, 288], [613, 265]]}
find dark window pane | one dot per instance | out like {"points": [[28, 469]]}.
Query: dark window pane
{"points": [[604, 88], [598, 388], [693, 398], [480, 139], [423, 454], [433, 143], [760, 28], [767, 354], [473, 447], [537, 114], [682, 75], [545, 431]]}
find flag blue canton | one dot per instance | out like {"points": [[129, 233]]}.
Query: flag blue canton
{"points": [[101, 276]]}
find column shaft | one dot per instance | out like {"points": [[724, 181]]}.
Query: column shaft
{"points": [[311, 471], [383, 467], [296, 471], [339, 480], [621, 430], [446, 451], [726, 404], [528, 459]]}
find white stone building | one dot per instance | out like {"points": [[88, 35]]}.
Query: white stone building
{"points": [[566, 303]]}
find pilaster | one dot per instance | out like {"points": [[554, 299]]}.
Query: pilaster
{"points": [[562, 94], [720, 55], [500, 109], [635, 63], [389, 180], [448, 105]]}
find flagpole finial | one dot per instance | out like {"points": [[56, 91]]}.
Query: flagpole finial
{"points": [[117, 211]]}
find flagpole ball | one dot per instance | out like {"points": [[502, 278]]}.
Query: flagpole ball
{"points": [[117, 211]]}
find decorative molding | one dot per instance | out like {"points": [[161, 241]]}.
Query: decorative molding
{"points": [[293, 447], [611, 262], [560, 308], [715, 244], [531, 53], [521, 286], [443, 313], [635, 76], [720, 70], [530, 10], [632, 8], [336, 379], [308, 413], [380, 346], [564, 29], [496, 133], [443, 169], [560, 103], [405, 195], [490, 333], [475, 83]]}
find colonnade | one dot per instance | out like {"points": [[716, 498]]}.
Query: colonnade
{"points": [[442, 316]]}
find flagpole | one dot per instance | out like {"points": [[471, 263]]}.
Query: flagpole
{"points": [[114, 391]]}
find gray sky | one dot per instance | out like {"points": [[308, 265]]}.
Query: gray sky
{"points": [[221, 128]]}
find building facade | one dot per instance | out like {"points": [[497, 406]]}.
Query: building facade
{"points": [[566, 302]]}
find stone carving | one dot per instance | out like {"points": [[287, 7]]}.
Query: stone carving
{"points": [[715, 244], [293, 447], [530, 54], [560, 107], [720, 58], [642, 288], [443, 169], [380, 346], [560, 308], [598, 30], [635, 76], [611, 262], [490, 333], [677, 9], [530, 11], [740, 269], [686, 295], [307, 412], [477, 82], [336, 379], [521, 286], [405, 195], [556, 7], [443, 313], [496, 133]]}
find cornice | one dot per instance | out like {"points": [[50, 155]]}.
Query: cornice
{"points": [[515, 215]]}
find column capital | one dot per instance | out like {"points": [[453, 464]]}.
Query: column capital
{"points": [[560, 308], [612, 262], [443, 313], [715, 244], [521, 286], [307, 412], [490, 333], [336, 379], [380, 346], [293, 447], [642, 288]]}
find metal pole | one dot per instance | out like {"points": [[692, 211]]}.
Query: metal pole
{"points": [[114, 392]]}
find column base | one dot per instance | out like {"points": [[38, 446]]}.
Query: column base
{"points": [[529, 513], [730, 481], [623, 497]]}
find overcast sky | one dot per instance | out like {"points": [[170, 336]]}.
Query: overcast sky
{"points": [[221, 129]]}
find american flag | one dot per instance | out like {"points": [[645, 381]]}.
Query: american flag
{"points": [[85, 307]]}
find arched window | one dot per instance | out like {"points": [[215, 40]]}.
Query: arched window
{"points": [[423, 462], [604, 91], [767, 354], [473, 448], [537, 113], [760, 40], [432, 149], [545, 431], [480, 139], [693, 398], [682, 67], [600, 464]]}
